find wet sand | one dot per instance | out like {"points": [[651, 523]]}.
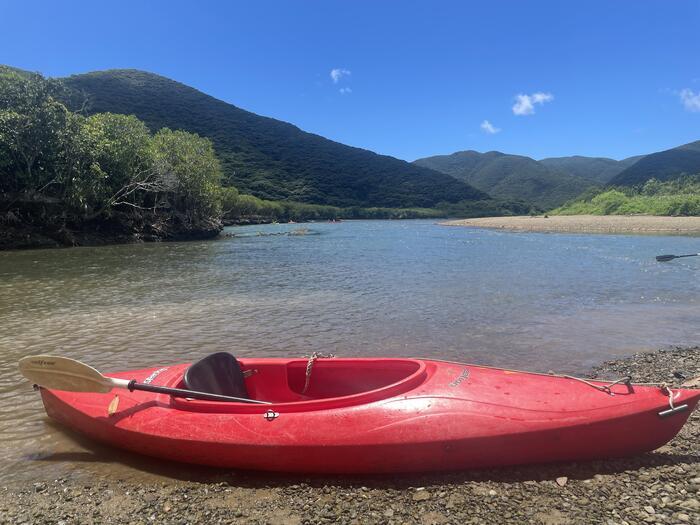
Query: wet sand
{"points": [[659, 487], [588, 224]]}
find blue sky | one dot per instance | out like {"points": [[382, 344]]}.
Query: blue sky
{"points": [[603, 78]]}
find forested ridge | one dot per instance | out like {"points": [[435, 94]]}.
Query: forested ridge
{"points": [[600, 170], [664, 165], [554, 182], [268, 158], [511, 176]]}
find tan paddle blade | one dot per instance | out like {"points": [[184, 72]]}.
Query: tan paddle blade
{"points": [[63, 373]]}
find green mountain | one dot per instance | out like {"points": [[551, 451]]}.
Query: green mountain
{"points": [[663, 165], [510, 176], [269, 158], [598, 169]]}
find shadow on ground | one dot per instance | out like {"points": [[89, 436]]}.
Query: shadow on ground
{"points": [[115, 463]]}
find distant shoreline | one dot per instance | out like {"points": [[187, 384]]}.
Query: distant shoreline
{"points": [[633, 224]]}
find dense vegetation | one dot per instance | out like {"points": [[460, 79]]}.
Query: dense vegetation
{"points": [[663, 165], [677, 197], [268, 158], [510, 176], [247, 208], [63, 172]]}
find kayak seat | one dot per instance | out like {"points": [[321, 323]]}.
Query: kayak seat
{"points": [[218, 373]]}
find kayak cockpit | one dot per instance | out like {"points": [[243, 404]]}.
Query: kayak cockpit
{"points": [[328, 383]]}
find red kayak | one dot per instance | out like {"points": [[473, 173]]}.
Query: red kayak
{"points": [[374, 415]]}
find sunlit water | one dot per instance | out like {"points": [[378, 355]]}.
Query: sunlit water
{"points": [[402, 288]]}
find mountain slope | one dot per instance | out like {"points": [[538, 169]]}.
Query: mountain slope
{"points": [[267, 157], [597, 169], [663, 165], [510, 176]]}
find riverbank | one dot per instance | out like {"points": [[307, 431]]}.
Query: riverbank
{"points": [[639, 224], [659, 487]]}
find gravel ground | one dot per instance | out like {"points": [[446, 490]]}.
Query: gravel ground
{"points": [[660, 487], [588, 224]]}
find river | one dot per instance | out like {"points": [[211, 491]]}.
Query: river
{"points": [[371, 288]]}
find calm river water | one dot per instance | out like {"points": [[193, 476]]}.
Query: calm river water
{"points": [[391, 288]]}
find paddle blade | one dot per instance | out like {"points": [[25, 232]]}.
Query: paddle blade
{"points": [[664, 258], [63, 373]]}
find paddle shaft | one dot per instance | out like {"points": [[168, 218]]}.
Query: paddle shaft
{"points": [[193, 394]]}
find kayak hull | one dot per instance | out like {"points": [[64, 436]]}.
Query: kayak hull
{"points": [[441, 416]]}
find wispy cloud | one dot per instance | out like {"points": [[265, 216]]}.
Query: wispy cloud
{"points": [[489, 128], [690, 99], [525, 104], [345, 91], [338, 73]]}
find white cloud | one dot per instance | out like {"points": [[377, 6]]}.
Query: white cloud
{"points": [[541, 98], [690, 99], [338, 73], [525, 104], [345, 90], [489, 128]]}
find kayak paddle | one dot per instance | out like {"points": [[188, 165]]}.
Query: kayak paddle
{"points": [[63, 373], [665, 258]]}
